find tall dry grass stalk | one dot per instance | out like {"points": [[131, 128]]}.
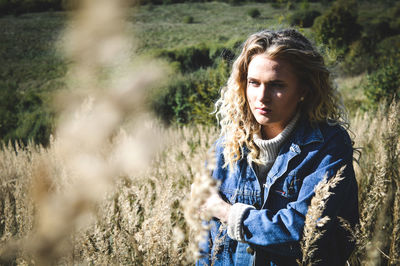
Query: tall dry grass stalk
{"points": [[103, 192], [378, 178], [314, 221], [202, 188], [104, 92], [139, 221], [378, 175], [50, 197]]}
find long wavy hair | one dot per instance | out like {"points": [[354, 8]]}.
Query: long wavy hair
{"points": [[321, 101]]}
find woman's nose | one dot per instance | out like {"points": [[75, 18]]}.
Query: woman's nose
{"points": [[264, 93]]}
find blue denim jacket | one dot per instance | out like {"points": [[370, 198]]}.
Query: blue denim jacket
{"points": [[274, 229]]}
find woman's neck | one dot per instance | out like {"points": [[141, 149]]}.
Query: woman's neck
{"points": [[272, 130]]}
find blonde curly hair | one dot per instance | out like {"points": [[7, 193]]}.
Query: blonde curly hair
{"points": [[322, 101]]}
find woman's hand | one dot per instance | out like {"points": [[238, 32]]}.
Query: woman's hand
{"points": [[217, 207]]}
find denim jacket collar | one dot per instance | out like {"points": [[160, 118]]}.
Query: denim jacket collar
{"points": [[304, 133]]}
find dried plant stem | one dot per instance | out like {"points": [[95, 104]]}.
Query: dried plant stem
{"points": [[201, 189], [395, 242], [314, 221], [393, 154]]}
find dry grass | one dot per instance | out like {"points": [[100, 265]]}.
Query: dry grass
{"points": [[103, 192], [113, 188], [378, 177], [314, 221], [377, 136], [139, 220]]}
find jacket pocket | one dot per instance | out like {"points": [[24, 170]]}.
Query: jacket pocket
{"points": [[288, 187], [245, 196]]}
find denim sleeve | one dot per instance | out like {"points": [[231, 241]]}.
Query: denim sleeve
{"points": [[278, 231]]}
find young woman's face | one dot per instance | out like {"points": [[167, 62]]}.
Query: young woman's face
{"points": [[273, 93]]}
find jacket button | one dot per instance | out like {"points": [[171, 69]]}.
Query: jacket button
{"points": [[250, 250]]}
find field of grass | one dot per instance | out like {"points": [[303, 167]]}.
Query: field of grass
{"points": [[164, 26], [33, 68], [27, 41], [140, 220], [112, 186]]}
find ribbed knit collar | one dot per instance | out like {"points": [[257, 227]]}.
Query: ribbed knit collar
{"points": [[269, 148]]}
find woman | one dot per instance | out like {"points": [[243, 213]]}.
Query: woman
{"points": [[281, 134]]}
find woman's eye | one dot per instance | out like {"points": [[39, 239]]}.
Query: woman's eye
{"points": [[252, 82]]}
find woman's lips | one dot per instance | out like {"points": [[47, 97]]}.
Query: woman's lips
{"points": [[263, 111]]}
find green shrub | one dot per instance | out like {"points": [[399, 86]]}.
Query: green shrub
{"points": [[24, 6], [190, 98], [188, 19], [394, 16], [303, 18], [304, 5], [290, 5], [254, 13], [378, 29], [226, 51], [190, 58], [366, 55], [388, 47], [24, 115], [8, 109], [276, 5], [358, 59], [338, 26], [394, 12], [384, 83], [235, 2]]}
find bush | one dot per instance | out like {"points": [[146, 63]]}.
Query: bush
{"points": [[24, 6], [304, 5], [190, 98], [290, 6], [24, 115], [8, 109], [192, 58], [303, 18], [394, 12], [338, 26], [188, 19], [276, 5], [384, 83], [388, 47], [366, 55], [358, 59], [378, 29], [394, 16], [254, 13], [189, 58], [235, 2]]}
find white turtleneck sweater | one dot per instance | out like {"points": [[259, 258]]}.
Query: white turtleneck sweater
{"points": [[269, 150]]}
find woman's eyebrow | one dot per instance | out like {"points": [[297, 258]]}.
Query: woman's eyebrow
{"points": [[277, 81], [273, 82]]}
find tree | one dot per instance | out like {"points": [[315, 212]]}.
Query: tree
{"points": [[338, 26]]}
